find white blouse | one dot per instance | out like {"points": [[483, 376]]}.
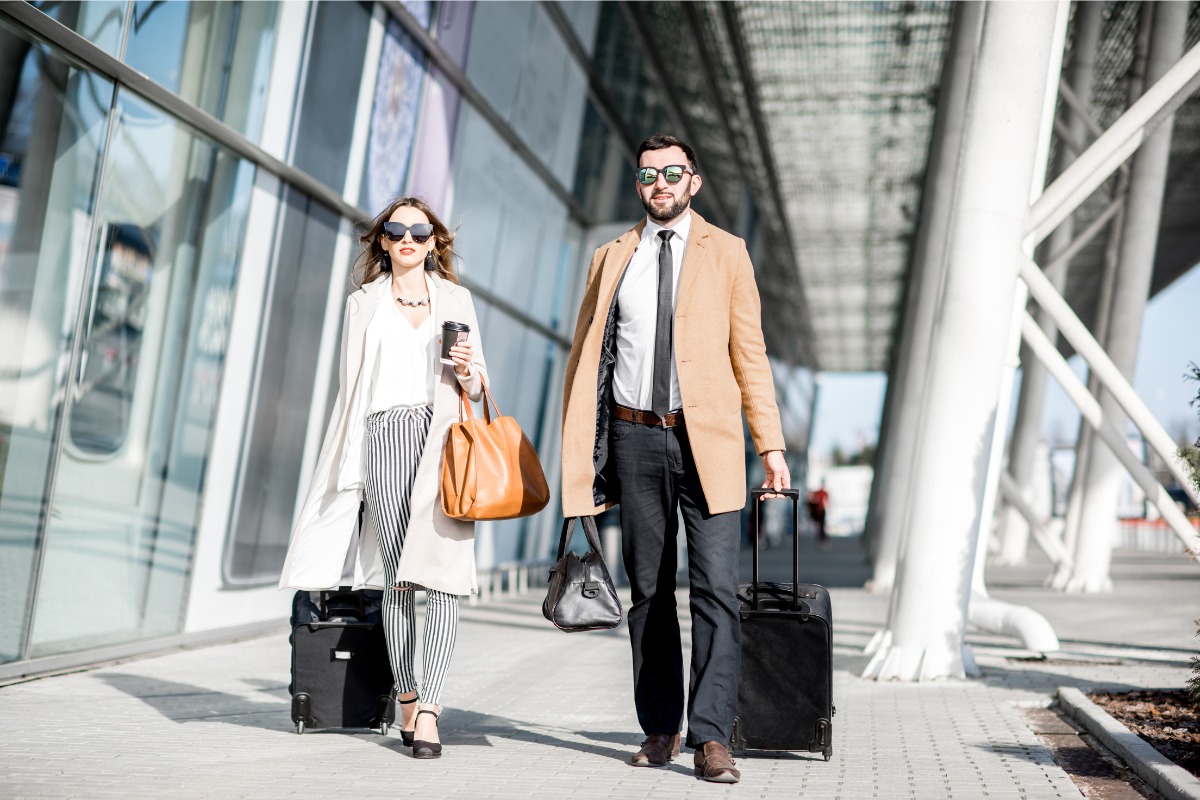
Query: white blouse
{"points": [[398, 372]]}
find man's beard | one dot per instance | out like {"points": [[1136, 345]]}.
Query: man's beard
{"points": [[671, 212]]}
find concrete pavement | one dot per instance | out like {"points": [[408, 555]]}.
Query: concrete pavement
{"points": [[535, 713]]}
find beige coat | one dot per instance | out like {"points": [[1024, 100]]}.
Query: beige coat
{"points": [[719, 356], [439, 552]]}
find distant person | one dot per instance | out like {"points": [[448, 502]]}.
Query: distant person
{"points": [[668, 352], [818, 502], [383, 453]]}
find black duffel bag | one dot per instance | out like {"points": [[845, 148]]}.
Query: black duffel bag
{"points": [[581, 595]]}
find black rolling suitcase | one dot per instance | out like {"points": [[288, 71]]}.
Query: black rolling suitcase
{"points": [[341, 677], [785, 694]]}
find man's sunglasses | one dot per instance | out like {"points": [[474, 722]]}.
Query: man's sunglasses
{"points": [[648, 175], [420, 232]]}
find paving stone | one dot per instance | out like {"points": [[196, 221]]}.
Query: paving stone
{"points": [[530, 713]]}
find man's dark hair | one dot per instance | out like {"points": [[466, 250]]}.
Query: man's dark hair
{"points": [[661, 141]]}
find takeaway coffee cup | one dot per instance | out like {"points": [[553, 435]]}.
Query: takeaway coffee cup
{"points": [[452, 334]]}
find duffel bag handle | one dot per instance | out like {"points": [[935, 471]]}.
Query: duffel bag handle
{"points": [[360, 595], [589, 532], [756, 497]]}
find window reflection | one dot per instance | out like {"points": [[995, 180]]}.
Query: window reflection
{"points": [[109, 362], [98, 21], [214, 54], [128, 487], [52, 128]]}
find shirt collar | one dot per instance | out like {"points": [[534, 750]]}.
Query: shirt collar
{"points": [[681, 229]]}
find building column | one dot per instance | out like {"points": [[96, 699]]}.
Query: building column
{"points": [[1131, 289], [910, 359], [1089, 18], [970, 342]]}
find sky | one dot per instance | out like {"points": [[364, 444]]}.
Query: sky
{"points": [[1170, 341], [849, 404], [848, 409]]}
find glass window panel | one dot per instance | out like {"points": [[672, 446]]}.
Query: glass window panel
{"points": [[53, 122], [420, 10], [98, 21], [499, 32], [266, 500], [393, 118], [157, 39], [550, 97], [130, 475], [331, 85], [511, 227], [522, 66], [583, 16], [214, 54]]}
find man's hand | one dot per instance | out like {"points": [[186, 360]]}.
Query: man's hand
{"points": [[778, 475]]}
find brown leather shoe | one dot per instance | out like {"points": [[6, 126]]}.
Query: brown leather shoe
{"points": [[714, 764], [657, 750]]}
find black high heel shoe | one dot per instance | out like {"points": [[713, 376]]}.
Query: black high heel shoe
{"points": [[407, 736], [423, 749]]}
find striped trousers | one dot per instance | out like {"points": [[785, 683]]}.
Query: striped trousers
{"points": [[395, 440]]}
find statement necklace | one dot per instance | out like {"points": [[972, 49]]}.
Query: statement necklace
{"points": [[414, 303]]}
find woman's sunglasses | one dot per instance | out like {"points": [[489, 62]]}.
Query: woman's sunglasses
{"points": [[420, 232], [648, 175]]}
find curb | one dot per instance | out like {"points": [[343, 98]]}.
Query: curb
{"points": [[1163, 775]]}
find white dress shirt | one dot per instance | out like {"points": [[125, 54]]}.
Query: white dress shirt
{"points": [[637, 318], [398, 371]]}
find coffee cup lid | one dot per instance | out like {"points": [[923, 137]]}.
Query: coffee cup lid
{"points": [[456, 326]]}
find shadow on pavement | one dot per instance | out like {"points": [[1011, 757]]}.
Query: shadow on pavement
{"points": [[182, 702], [1049, 680]]}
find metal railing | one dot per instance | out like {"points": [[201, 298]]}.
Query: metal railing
{"points": [[511, 579]]}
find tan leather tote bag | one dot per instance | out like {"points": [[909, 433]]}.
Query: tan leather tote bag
{"points": [[490, 470]]}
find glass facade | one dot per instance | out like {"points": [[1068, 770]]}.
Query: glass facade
{"points": [[171, 308]]}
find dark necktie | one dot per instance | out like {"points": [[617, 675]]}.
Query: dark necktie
{"points": [[661, 398]]}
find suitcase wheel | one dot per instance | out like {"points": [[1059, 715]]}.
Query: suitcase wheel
{"points": [[383, 728], [300, 727], [828, 753]]}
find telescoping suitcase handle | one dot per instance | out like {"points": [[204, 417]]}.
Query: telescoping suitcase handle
{"points": [[756, 498]]}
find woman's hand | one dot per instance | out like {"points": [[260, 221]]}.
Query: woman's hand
{"points": [[460, 354]]}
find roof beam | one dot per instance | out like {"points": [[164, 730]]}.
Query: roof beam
{"points": [[733, 29]]}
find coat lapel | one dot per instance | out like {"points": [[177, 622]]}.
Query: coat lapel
{"points": [[360, 318], [693, 258], [618, 258]]}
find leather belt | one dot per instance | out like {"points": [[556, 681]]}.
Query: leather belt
{"points": [[671, 420]]}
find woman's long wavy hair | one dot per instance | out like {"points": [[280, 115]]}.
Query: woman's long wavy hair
{"points": [[373, 261]]}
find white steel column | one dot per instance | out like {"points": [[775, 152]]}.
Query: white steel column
{"points": [[1027, 427], [1086, 439], [1139, 242], [969, 344], [893, 477]]}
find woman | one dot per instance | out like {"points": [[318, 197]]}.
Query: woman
{"points": [[384, 448]]}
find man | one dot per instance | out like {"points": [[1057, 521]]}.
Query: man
{"points": [[668, 352]]}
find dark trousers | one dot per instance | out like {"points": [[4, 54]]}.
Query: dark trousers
{"points": [[658, 476]]}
